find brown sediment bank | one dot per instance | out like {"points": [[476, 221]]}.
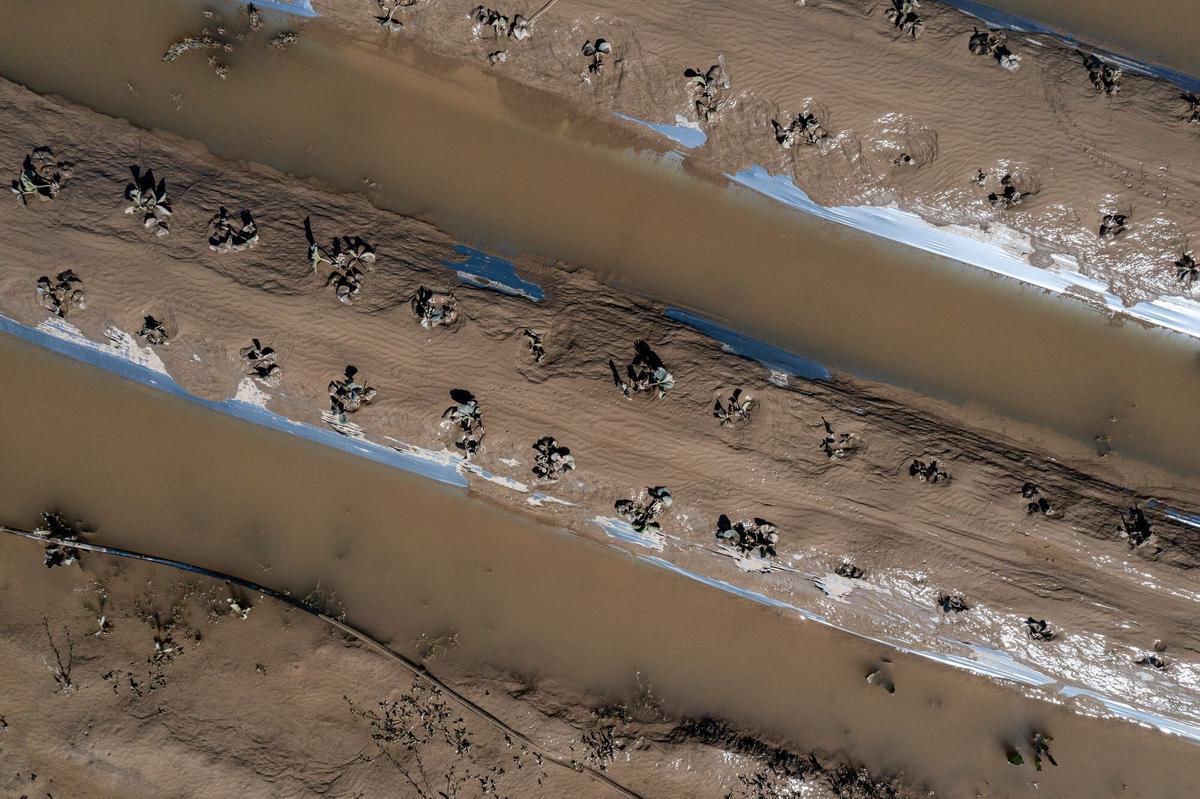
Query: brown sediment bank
{"points": [[481, 158], [418, 561]]}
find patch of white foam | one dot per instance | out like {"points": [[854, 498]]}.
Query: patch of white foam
{"points": [[538, 499], [998, 249], [498, 479], [249, 393], [622, 530], [348, 429]]}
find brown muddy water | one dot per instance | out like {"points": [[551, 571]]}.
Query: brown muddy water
{"points": [[406, 557], [1160, 31], [501, 167]]}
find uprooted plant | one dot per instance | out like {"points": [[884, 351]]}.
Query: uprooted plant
{"points": [[150, 200], [903, 16], [260, 360], [952, 603], [500, 25], [645, 372], [552, 461], [536, 349], [435, 309], [1112, 226], [756, 538], [57, 295], [226, 235], [1039, 629], [1193, 114], [466, 417], [735, 410], [706, 88], [62, 665], [642, 515], [347, 395], [1008, 195], [994, 43], [210, 39], [804, 128], [41, 176], [849, 571]]}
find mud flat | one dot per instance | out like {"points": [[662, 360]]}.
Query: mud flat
{"points": [[417, 564]]}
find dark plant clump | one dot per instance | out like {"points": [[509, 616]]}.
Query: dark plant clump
{"points": [[466, 416], [755, 538], [837, 446], [849, 571], [644, 515], [596, 51], [645, 372], [1186, 269], [927, 472], [58, 530], [438, 310], [1039, 629], [536, 349], [1105, 77], [735, 410], [260, 360], [553, 462], [61, 293], [1136, 527], [154, 331], [803, 128], [903, 16], [41, 176], [226, 235], [994, 43], [347, 395], [706, 87], [952, 603], [150, 200], [1112, 226]]}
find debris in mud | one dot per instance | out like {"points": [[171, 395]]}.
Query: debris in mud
{"points": [[1193, 102], [253, 17], [927, 472], [1009, 195], [552, 462], [1039, 629], [260, 360], [1136, 527], [596, 51], [283, 40], [735, 410], [497, 57], [849, 571], [388, 11], [150, 200], [466, 416], [59, 294], [225, 236], [348, 395], [55, 526], [994, 43], [1186, 269], [536, 350], [1105, 77], [646, 372], [438, 310], [644, 515], [1041, 746], [706, 89], [755, 538], [903, 16], [202, 41], [350, 257], [952, 603], [239, 607], [153, 331], [1153, 660], [880, 679], [1112, 226], [804, 128], [501, 25], [838, 446], [41, 176]]}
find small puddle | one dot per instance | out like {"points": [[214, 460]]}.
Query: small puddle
{"points": [[503, 169]]}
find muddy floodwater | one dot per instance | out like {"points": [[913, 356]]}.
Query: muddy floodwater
{"points": [[499, 167], [406, 558], [1160, 31]]}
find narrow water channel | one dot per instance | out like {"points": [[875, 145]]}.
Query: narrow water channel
{"points": [[479, 159], [418, 558]]}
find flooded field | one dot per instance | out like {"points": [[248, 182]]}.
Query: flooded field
{"points": [[429, 146], [418, 559]]}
